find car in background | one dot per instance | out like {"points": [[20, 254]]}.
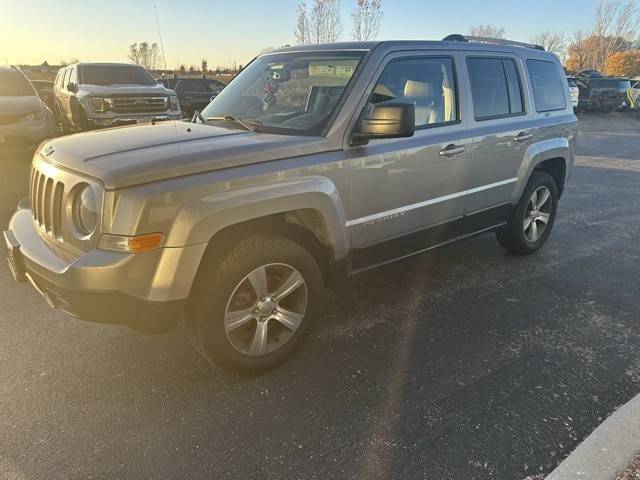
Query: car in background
{"points": [[25, 121], [45, 92], [604, 94], [574, 91], [96, 95], [590, 74], [193, 93], [633, 95]]}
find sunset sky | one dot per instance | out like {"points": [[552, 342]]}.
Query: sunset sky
{"points": [[224, 31]]}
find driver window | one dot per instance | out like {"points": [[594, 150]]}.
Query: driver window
{"points": [[427, 83]]}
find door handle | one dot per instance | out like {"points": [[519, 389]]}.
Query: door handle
{"points": [[523, 137], [451, 150]]}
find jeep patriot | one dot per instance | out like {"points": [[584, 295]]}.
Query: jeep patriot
{"points": [[314, 164]]}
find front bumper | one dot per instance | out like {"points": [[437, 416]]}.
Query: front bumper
{"points": [[146, 291], [111, 120]]}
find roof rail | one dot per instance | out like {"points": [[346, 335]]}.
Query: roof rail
{"points": [[456, 37]]}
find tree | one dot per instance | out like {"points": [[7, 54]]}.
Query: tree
{"points": [[182, 68], [204, 65], [321, 25], [615, 28], [45, 64], [144, 54], [489, 31], [367, 19], [133, 53], [552, 42], [303, 36], [623, 64]]}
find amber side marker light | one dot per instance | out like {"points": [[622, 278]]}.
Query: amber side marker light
{"points": [[137, 244]]}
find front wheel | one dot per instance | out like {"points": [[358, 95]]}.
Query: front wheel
{"points": [[531, 222], [252, 309]]}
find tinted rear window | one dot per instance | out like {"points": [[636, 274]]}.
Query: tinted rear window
{"points": [[611, 84], [495, 86], [116, 75], [548, 90], [13, 84]]}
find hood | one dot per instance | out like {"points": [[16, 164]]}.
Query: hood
{"points": [[19, 105], [127, 156], [124, 89]]}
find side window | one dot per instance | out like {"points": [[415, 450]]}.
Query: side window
{"points": [[548, 91], [427, 83], [65, 80], [495, 86], [73, 78]]}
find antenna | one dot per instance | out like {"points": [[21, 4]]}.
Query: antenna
{"points": [[164, 59]]}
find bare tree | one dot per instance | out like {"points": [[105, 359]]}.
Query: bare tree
{"points": [[133, 53], [554, 42], [489, 31], [303, 36], [324, 22], [367, 19], [615, 27]]}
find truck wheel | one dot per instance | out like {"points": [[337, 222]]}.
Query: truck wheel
{"points": [[251, 310], [531, 222]]}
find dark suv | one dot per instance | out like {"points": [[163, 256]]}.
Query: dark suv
{"points": [[604, 94], [193, 93]]}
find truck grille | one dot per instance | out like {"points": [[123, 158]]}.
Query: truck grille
{"points": [[46, 202], [138, 104]]}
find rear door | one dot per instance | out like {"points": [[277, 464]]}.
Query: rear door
{"points": [[502, 134], [408, 194]]}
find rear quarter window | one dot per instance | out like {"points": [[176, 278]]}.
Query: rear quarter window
{"points": [[548, 90]]}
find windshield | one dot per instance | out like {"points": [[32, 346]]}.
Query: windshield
{"points": [[289, 93], [13, 84], [115, 75]]}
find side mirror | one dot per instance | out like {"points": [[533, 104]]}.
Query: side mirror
{"points": [[386, 120]]}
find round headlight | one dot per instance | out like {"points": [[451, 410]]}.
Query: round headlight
{"points": [[85, 211]]}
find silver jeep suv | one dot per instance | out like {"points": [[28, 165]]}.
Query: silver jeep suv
{"points": [[314, 164], [98, 95]]}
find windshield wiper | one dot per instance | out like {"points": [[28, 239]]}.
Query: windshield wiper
{"points": [[244, 123]]}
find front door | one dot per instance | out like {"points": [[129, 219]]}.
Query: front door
{"points": [[409, 194]]}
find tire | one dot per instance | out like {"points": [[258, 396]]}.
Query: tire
{"points": [[519, 238], [225, 288]]}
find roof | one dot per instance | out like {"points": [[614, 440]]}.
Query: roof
{"points": [[435, 44], [105, 64]]}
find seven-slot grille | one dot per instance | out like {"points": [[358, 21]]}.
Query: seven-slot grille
{"points": [[46, 203], [138, 104]]}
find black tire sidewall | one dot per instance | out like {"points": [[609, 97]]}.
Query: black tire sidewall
{"points": [[209, 309]]}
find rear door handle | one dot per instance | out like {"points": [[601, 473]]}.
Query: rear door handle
{"points": [[451, 150], [523, 137]]}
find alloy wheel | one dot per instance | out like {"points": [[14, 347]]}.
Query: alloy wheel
{"points": [[537, 215], [266, 309]]}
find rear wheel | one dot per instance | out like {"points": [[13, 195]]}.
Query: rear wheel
{"points": [[531, 222], [251, 310]]}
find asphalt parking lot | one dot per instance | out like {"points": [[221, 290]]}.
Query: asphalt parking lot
{"points": [[468, 363]]}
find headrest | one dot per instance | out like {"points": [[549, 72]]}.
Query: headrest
{"points": [[414, 89]]}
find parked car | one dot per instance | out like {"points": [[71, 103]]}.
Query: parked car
{"points": [[95, 95], [604, 94], [574, 91], [314, 164], [44, 89], [590, 74], [25, 121], [193, 93], [633, 96]]}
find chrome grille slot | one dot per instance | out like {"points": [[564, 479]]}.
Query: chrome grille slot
{"points": [[138, 104], [46, 195]]}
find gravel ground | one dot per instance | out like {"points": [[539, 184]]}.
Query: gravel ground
{"points": [[467, 363], [631, 473]]}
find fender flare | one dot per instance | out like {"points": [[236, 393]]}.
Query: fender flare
{"points": [[540, 152]]}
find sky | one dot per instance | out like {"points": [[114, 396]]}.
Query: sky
{"points": [[228, 31]]}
